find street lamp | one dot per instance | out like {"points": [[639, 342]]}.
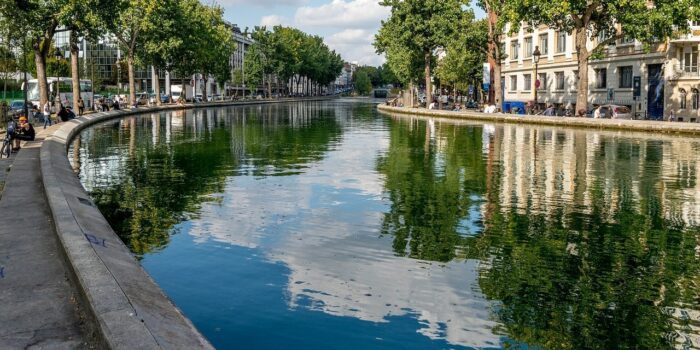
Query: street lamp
{"points": [[58, 56], [536, 58]]}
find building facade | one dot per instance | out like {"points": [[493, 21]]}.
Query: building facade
{"points": [[612, 77], [682, 78]]}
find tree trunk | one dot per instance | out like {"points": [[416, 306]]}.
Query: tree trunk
{"points": [[156, 88], [497, 84], [494, 53], [132, 81], [428, 92], [40, 60], [582, 55], [269, 86], [74, 69]]}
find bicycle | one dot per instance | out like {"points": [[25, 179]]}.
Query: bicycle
{"points": [[6, 149]]}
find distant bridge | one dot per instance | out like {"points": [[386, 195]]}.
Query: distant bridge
{"points": [[380, 93]]}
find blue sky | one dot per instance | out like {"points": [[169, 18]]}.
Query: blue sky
{"points": [[347, 26]]}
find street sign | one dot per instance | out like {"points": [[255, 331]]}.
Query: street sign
{"points": [[485, 86], [486, 72], [637, 87], [537, 84], [471, 89]]}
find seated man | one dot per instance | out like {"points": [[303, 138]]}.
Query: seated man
{"points": [[24, 132], [71, 114]]}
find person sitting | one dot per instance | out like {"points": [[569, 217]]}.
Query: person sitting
{"points": [[62, 114], [549, 111], [24, 132], [71, 114], [433, 105], [457, 107]]}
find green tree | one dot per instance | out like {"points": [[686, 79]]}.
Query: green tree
{"points": [[363, 84], [82, 19], [465, 55], [127, 21], [36, 20], [495, 24], [598, 23], [421, 27]]}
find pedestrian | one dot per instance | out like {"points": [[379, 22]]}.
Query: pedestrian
{"points": [[81, 106], [549, 111], [46, 111]]}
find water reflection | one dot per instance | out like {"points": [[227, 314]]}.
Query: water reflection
{"points": [[485, 235]]}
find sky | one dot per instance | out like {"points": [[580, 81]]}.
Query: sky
{"points": [[347, 26]]}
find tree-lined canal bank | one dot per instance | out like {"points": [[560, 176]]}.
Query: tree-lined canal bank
{"points": [[327, 225]]}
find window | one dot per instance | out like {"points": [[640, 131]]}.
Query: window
{"points": [[543, 80], [601, 78], [627, 40], [561, 42], [544, 44], [625, 77], [528, 47], [513, 82], [684, 99], [690, 60], [559, 76], [695, 23], [528, 82], [514, 48], [695, 99]]}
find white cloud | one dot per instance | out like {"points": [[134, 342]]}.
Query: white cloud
{"points": [[361, 14], [261, 3], [348, 26], [273, 20], [355, 45]]}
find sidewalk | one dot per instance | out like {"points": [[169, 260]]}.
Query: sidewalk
{"points": [[38, 306]]}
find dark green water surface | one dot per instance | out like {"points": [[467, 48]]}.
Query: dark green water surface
{"points": [[325, 225]]}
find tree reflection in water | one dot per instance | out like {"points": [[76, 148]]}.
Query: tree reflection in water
{"points": [[178, 161], [586, 240]]}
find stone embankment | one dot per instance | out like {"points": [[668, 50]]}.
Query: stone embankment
{"points": [[589, 123]]}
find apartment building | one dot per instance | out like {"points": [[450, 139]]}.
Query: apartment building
{"points": [[682, 78], [611, 78]]}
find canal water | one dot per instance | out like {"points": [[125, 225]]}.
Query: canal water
{"points": [[326, 225]]}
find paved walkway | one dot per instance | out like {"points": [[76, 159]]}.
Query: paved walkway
{"points": [[38, 308]]}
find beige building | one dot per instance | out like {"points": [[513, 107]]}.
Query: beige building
{"points": [[682, 78], [611, 79]]}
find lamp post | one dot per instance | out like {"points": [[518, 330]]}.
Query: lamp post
{"points": [[58, 56], [536, 58]]}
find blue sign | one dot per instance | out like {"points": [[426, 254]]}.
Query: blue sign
{"points": [[486, 86], [471, 89]]}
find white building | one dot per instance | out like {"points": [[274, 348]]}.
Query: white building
{"points": [[611, 79]]}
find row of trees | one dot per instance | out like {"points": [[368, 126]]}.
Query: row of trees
{"points": [[183, 36], [290, 56], [417, 29], [366, 77]]}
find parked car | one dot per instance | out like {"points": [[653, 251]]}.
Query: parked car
{"points": [[17, 107], [164, 98], [614, 112]]}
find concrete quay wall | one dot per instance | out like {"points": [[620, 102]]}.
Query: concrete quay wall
{"points": [[125, 308], [659, 127]]}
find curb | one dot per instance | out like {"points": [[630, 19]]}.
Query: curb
{"points": [[587, 123], [126, 307]]}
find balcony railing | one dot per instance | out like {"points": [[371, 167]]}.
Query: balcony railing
{"points": [[679, 71]]}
